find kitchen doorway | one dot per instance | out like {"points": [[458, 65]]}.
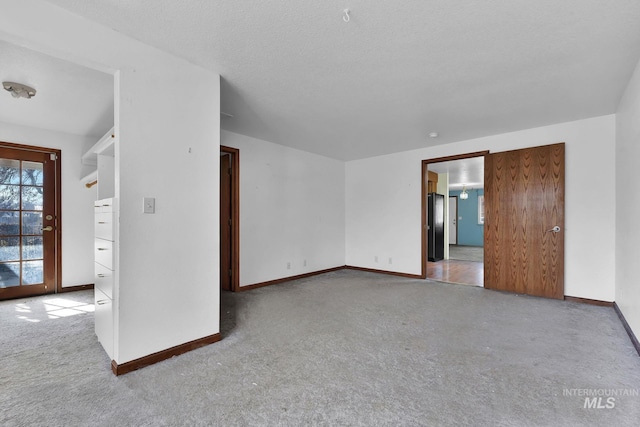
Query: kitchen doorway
{"points": [[459, 179]]}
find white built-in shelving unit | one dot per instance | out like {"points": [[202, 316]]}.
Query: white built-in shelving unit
{"points": [[101, 161]]}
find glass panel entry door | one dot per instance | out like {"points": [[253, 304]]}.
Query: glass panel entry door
{"points": [[27, 223]]}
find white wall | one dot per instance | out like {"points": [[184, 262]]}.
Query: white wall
{"points": [[443, 188], [167, 149], [628, 202], [168, 289], [77, 200], [291, 209], [383, 203]]}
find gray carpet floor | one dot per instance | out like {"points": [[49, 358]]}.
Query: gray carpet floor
{"points": [[343, 348], [466, 253]]}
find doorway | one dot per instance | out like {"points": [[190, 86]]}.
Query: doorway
{"points": [[523, 219], [229, 219], [451, 174], [30, 245]]}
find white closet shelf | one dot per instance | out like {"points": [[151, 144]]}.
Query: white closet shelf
{"points": [[90, 177], [103, 146]]}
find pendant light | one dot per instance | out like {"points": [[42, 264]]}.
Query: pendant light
{"points": [[464, 195]]}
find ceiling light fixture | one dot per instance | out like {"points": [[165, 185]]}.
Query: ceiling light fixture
{"points": [[19, 90], [433, 135], [464, 195]]}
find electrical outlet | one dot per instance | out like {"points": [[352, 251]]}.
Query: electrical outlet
{"points": [[288, 265], [304, 263], [390, 260], [375, 258], [149, 205]]}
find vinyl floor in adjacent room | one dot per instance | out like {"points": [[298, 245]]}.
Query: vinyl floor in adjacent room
{"points": [[455, 271], [466, 253], [465, 266], [342, 348]]}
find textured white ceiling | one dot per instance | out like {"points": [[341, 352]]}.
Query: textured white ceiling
{"points": [[295, 73], [70, 98], [469, 172]]}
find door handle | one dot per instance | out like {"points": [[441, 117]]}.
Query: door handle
{"points": [[47, 228], [555, 229]]}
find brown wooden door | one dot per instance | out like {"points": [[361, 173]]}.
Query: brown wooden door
{"points": [[27, 223], [225, 222], [524, 200]]}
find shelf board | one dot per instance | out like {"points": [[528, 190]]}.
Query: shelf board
{"points": [[103, 146], [91, 176]]}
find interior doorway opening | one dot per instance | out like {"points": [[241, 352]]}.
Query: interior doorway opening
{"points": [[458, 180], [229, 219]]}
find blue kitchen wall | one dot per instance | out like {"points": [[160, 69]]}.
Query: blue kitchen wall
{"points": [[470, 233]]}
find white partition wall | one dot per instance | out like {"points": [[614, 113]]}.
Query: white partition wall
{"points": [[166, 286], [627, 204]]}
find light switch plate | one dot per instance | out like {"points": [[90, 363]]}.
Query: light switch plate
{"points": [[149, 205]]}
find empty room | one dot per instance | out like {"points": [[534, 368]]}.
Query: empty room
{"points": [[319, 213]]}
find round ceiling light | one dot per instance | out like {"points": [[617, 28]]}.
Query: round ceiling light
{"points": [[19, 90]]}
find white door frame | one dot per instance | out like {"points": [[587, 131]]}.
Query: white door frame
{"points": [[453, 220]]}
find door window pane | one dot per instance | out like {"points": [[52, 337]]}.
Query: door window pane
{"points": [[32, 247], [32, 198], [9, 274], [9, 171], [9, 249], [9, 223], [32, 223], [32, 272], [32, 173], [10, 197], [22, 200]]}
